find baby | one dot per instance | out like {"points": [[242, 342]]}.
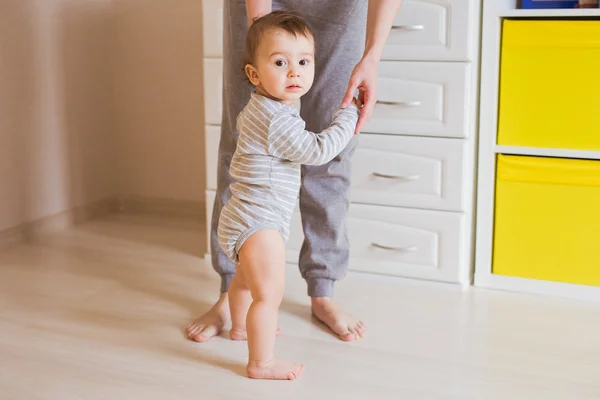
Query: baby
{"points": [[272, 145]]}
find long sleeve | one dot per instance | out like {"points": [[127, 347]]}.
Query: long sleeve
{"points": [[289, 140]]}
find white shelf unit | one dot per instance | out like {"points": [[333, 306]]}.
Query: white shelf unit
{"points": [[494, 12], [544, 152], [551, 13]]}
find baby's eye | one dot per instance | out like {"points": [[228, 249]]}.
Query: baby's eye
{"points": [[280, 63], [303, 62]]}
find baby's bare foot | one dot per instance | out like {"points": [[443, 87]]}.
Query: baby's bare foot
{"points": [[342, 324], [274, 369], [211, 323], [240, 333]]}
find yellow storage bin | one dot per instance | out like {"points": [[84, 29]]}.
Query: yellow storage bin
{"points": [[547, 219], [550, 84]]}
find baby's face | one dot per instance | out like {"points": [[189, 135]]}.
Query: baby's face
{"points": [[285, 66]]}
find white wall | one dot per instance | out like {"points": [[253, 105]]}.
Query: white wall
{"points": [[158, 94], [56, 127], [98, 99]]}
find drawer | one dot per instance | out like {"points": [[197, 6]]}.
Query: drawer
{"points": [[212, 18], [213, 134], [398, 241], [422, 30], [391, 241], [416, 98], [549, 85], [213, 90], [430, 30], [409, 171], [547, 219]]}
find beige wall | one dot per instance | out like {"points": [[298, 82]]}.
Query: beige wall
{"points": [[98, 99], [56, 131], [158, 97]]}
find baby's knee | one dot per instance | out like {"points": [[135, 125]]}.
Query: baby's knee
{"points": [[268, 292]]}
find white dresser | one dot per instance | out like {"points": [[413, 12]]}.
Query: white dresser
{"points": [[412, 197]]}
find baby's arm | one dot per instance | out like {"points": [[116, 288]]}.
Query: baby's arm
{"points": [[289, 140]]}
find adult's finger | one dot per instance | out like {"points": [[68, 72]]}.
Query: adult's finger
{"points": [[366, 111], [352, 85]]}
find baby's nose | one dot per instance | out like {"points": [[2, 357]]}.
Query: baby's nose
{"points": [[293, 73]]}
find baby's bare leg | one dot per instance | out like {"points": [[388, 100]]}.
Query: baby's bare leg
{"points": [[262, 260], [239, 302], [240, 299]]}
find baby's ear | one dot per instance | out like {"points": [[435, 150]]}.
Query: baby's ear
{"points": [[252, 74]]}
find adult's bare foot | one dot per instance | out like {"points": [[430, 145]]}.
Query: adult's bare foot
{"points": [[274, 369], [341, 323], [211, 323]]}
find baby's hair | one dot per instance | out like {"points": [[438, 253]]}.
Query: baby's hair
{"points": [[286, 20]]}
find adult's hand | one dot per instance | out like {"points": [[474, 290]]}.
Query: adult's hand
{"points": [[363, 78], [256, 9]]}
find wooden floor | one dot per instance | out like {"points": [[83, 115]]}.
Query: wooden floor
{"points": [[97, 312]]}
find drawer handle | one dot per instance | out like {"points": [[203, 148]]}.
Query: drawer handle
{"points": [[404, 249], [400, 103], [397, 177], [408, 27]]}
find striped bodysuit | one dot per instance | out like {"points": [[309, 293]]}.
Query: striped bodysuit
{"points": [[271, 147]]}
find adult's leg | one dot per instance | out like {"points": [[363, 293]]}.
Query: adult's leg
{"points": [[236, 93], [324, 196]]}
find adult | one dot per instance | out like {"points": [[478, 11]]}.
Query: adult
{"points": [[347, 59]]}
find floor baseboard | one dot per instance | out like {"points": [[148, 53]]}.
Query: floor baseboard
{"points": [[169, 207], [53, 223]]}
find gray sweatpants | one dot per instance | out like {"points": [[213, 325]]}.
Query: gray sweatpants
{"points": [[339, 27]]}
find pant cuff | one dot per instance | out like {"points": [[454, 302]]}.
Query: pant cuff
{"points": [[225, 281], [320, 287]]}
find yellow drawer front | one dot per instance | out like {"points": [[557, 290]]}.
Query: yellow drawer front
{"points": [[547, 221], [550, 84]]}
